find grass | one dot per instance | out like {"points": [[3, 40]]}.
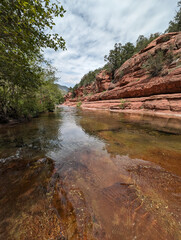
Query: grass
{"points": [[122, 105]]}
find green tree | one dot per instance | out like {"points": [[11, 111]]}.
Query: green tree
{"points": [[25, 25], [175, 24], [127, 51], [26, 29], [143, 41], [49, 94], [119, 55], [114, 57], [89, 78]]}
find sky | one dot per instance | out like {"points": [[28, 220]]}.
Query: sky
{"points": [[92, 27]]}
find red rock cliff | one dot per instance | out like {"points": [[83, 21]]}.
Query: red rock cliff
{"points": [[133, 83]]}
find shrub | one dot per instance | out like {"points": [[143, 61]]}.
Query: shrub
{"points": [[122, 105], [79, 104], [169, 58], [85, 92], [154, 64], [165, 39], [108, 68]]}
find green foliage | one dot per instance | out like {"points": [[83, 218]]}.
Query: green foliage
{"points": [[169, 57], [165, 39], [72, 90], [49, 93], [25, 30], [119, 55], [79, 104], [107, 67], [23, 25], [154, 64], [143, 41], [85, 92], [175, 24], [121, 73], [25, 103], [128, 51], [86, 80], [89, 77], [115, 59], [122, 105]]}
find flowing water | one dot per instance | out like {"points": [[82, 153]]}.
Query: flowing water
{"points": [[90, 175]]}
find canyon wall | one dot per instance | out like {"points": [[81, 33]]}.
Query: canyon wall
{"points": [[136, 85]]}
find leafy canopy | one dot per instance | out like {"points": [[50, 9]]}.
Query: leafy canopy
{"points": [[26, 29], [26, 25]]}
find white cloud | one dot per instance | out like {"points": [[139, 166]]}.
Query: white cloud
{"points": [[91, 27]]}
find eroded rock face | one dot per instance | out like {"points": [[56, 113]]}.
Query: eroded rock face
{"points": [[132, 79], [165, 103], [103, 81]]}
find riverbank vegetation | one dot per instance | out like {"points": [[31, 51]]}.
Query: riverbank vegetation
{"points": [[27, 81]]}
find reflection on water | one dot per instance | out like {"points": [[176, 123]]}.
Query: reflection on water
{"points": [[91, 175], [148, 138], [30, 139]]}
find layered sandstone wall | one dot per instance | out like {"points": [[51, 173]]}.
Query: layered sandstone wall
{"points": [[134, 86]]}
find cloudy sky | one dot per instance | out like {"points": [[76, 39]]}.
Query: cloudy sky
{"points": [[92, 27]]}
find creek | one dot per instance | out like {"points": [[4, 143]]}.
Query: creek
{"points": [[77, 174]]}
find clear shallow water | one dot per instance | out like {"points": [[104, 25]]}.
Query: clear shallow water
{"points": [[91, 175]]}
